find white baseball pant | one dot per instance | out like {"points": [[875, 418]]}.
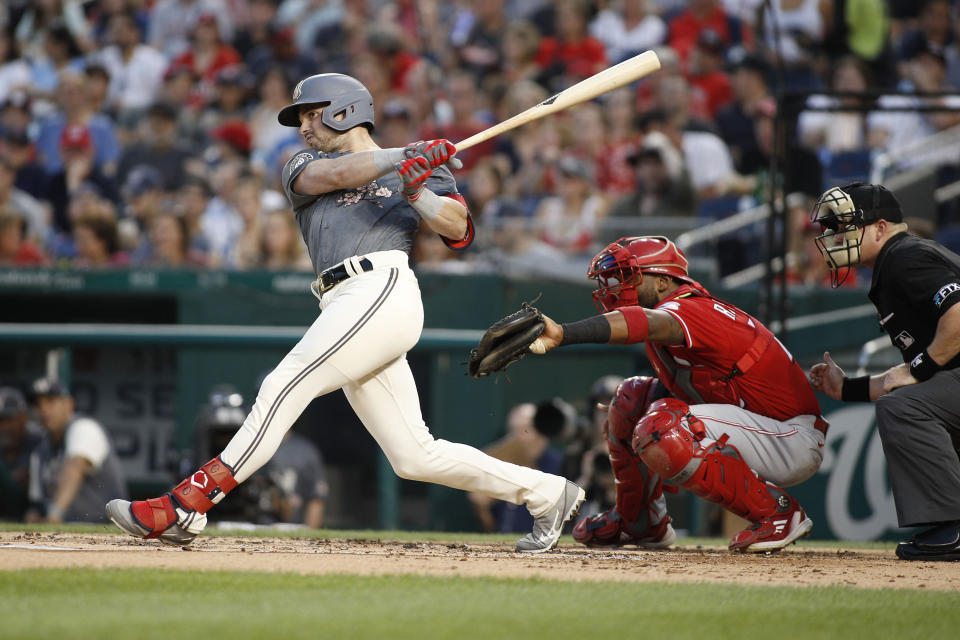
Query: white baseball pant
{"points": [[359, 343]]}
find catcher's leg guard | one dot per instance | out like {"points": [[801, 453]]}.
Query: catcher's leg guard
{"points": [[639, 516], [193, 497], [668, 439]]}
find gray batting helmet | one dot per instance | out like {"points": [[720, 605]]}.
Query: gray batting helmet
{"points": [[339, 93]]}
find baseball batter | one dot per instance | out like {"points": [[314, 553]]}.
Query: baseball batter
{"points": [[742, 420], [358, 207]]}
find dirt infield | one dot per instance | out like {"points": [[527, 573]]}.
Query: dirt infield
{"points": [[797, 566]]}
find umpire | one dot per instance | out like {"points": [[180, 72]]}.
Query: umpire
{"points": [[916, 288]]}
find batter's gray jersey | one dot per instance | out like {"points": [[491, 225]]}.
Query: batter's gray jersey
{"points": [[349, 222]]}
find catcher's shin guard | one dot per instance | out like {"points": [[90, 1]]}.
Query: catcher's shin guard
{"points": [[639, 516], [668, 439]]}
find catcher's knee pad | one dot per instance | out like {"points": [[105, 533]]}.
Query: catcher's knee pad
{"points": [[630, 402], [666, 438], [205, 487]]}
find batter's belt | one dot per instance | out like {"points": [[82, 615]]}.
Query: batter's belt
{"points": [[354, 266]]}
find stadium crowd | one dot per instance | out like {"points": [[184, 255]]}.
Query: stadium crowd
{"points": [[144, 132]]}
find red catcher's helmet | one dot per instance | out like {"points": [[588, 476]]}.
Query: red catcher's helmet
{"points": [[616, 266]]}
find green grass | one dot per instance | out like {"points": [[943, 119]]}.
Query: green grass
{"points": [[90, 603], [408, 536]]}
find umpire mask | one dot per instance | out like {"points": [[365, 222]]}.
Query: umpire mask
{"points": [[842, 213]]}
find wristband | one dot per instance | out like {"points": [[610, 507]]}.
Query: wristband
{"points": [[428, 205], [595, 329], [384, 159], [923, 367], [638, 325], [855, 389]]}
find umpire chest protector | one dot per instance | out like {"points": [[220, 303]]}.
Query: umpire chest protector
{"points": [[915, 281]]}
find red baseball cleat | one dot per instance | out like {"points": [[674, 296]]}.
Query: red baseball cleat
{"points": [[774, 532], [607, 530]]}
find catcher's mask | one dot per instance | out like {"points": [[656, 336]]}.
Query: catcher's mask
{"points": [[842, 213], [619, 268]]}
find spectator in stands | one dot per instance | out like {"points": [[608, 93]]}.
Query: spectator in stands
{"points": [[83, 470], [464, 118], [168, 244], [627, 29], [793, 32], [96, 237], [229, 100], [17, 150], [527, 443], [619, 113], [60, 54], [834, 130], [477, 38], [518, 51], [97, 89], [221, 223], [136, 69], [297, 472], [79, 170], [191, 201], [171, 23], [42, 16], [266, 132], [75, 110], [656, 192], [208, 54], [281, 248], [34, 213], [159, 146], [735, 121], [570, 220], [705, 72], [14, 70], [23, 446], [686, 26], [934, 31], [258, 27], [864, 33], [15, 248], [572, 54], [143, 196]]}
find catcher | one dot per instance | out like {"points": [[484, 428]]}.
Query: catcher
{"points": [[730, 415]]}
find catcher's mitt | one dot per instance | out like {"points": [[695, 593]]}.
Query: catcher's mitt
{"points": [[506, 341]]}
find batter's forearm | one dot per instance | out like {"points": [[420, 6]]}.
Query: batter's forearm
{"points": [[346, 172], [444, 216]]}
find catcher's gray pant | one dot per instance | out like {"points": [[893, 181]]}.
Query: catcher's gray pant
{"points": [[359, 344], [919, 427]]}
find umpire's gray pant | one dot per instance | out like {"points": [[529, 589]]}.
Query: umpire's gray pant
{"points": [[919, 427]]}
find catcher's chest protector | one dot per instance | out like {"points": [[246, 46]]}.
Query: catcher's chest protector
{"points": [[668, 440]]}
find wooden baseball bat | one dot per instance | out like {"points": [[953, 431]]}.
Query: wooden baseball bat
{"points": [[598, 84]]}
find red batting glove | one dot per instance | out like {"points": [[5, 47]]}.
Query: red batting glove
{"points": [[437, 152], [414, 173]]}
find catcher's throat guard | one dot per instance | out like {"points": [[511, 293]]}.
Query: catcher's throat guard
{"points": [[842, 226]]}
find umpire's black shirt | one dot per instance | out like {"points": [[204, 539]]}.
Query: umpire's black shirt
{"points": [[915, 281]]}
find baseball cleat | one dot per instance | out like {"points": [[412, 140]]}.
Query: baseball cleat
{"points": [[121, 514], [548, 527], [607, 530], [773, 532]]}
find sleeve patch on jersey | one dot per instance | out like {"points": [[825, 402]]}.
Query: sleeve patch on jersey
{"points": [[945, 292], [299, 159]]}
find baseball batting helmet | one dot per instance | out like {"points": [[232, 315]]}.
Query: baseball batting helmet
{"points": [[339, 94], [616, 267], [842, 213]]}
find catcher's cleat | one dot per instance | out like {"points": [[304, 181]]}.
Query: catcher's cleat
{"points": [[939, 544], [607, 530], [164, 524], [547, 528], [774, 532]]}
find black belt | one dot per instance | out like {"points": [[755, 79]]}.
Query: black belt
{"points": [[329, 278]]}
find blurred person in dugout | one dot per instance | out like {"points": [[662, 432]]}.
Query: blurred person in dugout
{"points": [[22, 447], [291, 488], [530, 428], [83, 469]]}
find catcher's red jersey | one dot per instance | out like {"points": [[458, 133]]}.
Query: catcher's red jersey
{"points": [[729, 358]]}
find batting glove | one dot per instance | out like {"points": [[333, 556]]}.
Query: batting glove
{"points": [[414, 173], [437, 152]]}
